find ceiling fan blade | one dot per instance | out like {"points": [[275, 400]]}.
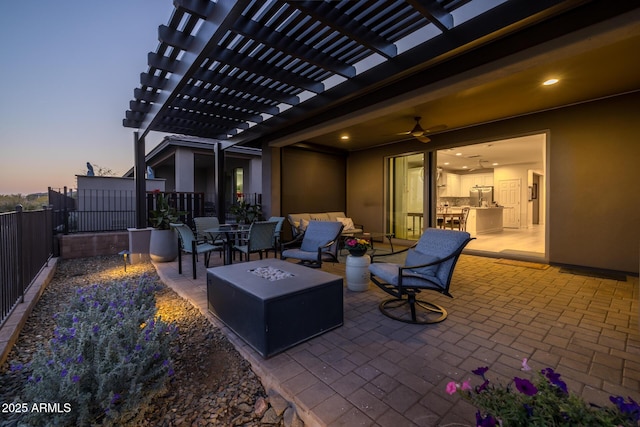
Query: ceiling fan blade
{"points": [[423, 138], [436, 128]]}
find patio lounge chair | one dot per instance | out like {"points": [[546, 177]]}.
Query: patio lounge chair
{"points": [[319, 243], [188, 243], [261, 238], [428, 267]]}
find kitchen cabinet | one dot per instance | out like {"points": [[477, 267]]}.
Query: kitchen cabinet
{"points": [[449, 185], [475, 180]]}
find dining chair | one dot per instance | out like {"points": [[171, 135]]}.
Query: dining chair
{"points": [[261, 238], [188, 243]]}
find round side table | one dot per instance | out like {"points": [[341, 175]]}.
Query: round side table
{"points": [[357, 272]]}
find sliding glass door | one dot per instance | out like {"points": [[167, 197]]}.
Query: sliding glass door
{"points": [[405, 196]]}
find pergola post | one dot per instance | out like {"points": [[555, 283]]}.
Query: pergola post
{"points": [[219, 182], [141, 186], [139, 237]]}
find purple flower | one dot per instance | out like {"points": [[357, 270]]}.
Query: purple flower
{"points": [[482, 386], [525, 386], [115, 398], [631, 409], [95, 329], [555, 379], [525, 365], [64, 373], [481, 371], [16, 367], [79, 359], [487, 421], [75, 378]]}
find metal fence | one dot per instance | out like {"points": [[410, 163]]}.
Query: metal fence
{"points": [[91, 211], [26, 245]]}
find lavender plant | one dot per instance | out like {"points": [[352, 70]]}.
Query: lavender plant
{"points": [[108, 359], [543, 402]]}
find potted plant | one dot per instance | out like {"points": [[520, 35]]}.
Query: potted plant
{"points": [[245, 212], [163, 246], [356, 247], [542, 401]]}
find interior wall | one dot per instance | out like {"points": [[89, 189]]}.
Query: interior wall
{"points": [[312, 181], [593, 214]]}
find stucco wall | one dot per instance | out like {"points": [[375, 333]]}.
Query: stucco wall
{"points": [[312, 181], [592, 183]]}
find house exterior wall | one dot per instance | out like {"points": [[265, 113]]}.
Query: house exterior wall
{"points": [[312, 181], [592, 185]]}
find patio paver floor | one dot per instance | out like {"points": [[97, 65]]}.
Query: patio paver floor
{"points": [[374, 371]]}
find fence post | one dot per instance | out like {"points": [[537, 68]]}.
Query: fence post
{"points": [[20, 259]]}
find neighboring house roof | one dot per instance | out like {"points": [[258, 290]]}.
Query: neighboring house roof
{"points": [[170, 143]]}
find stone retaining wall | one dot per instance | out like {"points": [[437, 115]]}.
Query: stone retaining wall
{"points": [[89, 245]]}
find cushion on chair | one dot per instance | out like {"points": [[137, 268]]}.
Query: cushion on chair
{"points": [[441, 243], [415, 257], [388, 272]]}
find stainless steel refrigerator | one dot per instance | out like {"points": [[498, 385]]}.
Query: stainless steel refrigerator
{"points": [[481, 196]]}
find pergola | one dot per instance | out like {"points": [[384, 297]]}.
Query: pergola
{"points": [[266, 73]]}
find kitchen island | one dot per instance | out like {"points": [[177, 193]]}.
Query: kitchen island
{"points": [[485, 220]]}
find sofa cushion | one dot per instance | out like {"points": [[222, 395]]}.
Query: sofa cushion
{"points": [[333, 216], [320, 216], [347, 222]]}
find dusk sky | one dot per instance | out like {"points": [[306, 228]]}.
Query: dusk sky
{"points": [[68, 71]]}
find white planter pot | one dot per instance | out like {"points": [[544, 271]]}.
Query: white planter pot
{"points": [[357, 272], [163, 245]]}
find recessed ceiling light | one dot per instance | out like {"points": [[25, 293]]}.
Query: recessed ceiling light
{"points": [[550, 82], [344, 137], [465, 167], [446, 163], [495, 164], [458, 154]]}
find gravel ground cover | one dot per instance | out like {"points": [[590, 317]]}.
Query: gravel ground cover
{"points": [[212, 385]]}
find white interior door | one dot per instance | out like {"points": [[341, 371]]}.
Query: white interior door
{"points": [[509, 196]]}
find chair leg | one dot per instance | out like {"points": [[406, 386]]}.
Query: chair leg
{"points": [[179, 260], [406, 310]]}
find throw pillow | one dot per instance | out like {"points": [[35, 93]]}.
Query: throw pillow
{"points": [[418, 258], [303, 225], [347, 222]]}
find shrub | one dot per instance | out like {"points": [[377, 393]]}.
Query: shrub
{"points": [[108, 359], [543, 402]]}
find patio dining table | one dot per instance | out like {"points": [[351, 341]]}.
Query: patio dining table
{"points": [[232, 233]]}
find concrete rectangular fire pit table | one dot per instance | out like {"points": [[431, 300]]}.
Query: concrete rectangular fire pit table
{"points": [[273, 304]]}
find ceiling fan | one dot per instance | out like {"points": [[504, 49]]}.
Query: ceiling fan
{"points": [[480, 165], [419, 133]]}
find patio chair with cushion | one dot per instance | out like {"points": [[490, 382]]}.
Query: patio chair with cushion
{"points": [[428, 266], [318, 243], [188, 243], [261, 237]]}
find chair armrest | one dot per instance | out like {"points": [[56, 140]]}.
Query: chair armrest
{"points": [[296, 240], [374, 255]]}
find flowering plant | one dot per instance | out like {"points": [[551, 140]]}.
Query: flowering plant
{"points": [[358, 245], [543, 402], [164, 215]]}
